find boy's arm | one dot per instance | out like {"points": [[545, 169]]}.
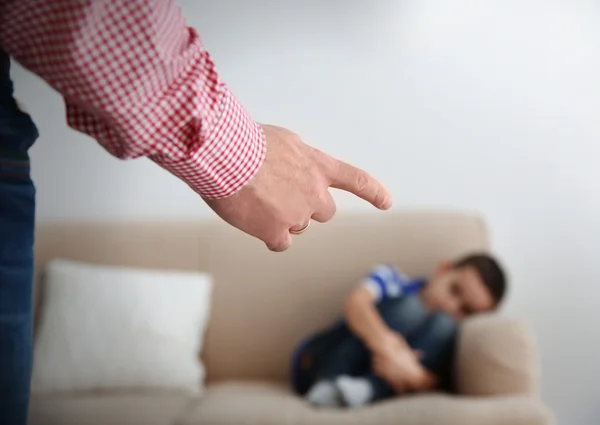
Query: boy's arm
{"points": [[383, 282], [365, 322], [392, 362], [393, 359]]}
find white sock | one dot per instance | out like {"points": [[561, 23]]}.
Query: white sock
{"points": [[356, 392], [324, 393]]}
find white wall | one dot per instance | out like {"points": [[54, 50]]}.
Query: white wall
{"points": [[479, 104]]}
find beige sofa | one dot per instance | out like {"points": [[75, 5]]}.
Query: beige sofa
{"points": [[265, 302]]}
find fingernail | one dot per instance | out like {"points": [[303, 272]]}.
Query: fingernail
{"points": [[387, 203]]}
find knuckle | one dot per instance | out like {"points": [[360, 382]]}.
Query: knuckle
{"points": [[325, 208], [323, 197], [333, 209], [378, 197], [279, 244], [276, 248], [362, 182], [323, 161], [319, 155], [314, 193]]}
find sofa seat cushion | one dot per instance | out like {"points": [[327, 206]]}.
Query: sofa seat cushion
{"points": [[264, 403], [108, 409]]}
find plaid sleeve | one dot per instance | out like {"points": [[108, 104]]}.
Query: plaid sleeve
{"points": [[139, 81], [385, 281]]}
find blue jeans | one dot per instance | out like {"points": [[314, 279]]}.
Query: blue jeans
{"points": [[338, 352], [17, 217]]}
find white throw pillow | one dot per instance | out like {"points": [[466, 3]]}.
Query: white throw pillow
{"points": [[107, 328]]}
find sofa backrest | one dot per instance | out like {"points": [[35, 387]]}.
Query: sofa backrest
{"points": [[263, 302]]}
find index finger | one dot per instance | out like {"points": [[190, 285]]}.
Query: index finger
{"points": [[358, 182]]}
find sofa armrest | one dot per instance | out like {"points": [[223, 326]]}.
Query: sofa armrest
{"points": [[496, 356]]}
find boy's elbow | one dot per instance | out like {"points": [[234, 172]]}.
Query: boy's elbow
{"points": [[356, 301], [349, 305]]}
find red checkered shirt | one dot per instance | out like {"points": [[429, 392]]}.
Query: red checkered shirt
{"points": [[140, 82]]}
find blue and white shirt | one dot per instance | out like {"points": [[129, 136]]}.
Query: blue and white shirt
{"points": [[386, 281]]}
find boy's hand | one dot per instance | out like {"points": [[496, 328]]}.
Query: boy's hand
{"points": [[399, 365], [401, 369], [387, 344]]}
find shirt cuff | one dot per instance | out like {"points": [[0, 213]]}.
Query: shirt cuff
{"points": [[229, 155]]}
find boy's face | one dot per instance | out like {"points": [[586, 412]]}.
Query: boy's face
{"points": [[459, 292]]}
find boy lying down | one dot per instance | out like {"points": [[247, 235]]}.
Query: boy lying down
{"points": [[398, 335]]}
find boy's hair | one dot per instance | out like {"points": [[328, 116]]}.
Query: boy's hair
{"points": [[489, 271]]}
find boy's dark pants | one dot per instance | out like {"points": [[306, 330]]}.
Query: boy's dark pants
{"points": [[338, 352]]}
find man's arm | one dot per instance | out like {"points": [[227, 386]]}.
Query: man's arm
{"points": [[139, 81]]}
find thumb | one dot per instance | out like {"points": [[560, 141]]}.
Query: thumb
{"points": [[358, 182]]}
